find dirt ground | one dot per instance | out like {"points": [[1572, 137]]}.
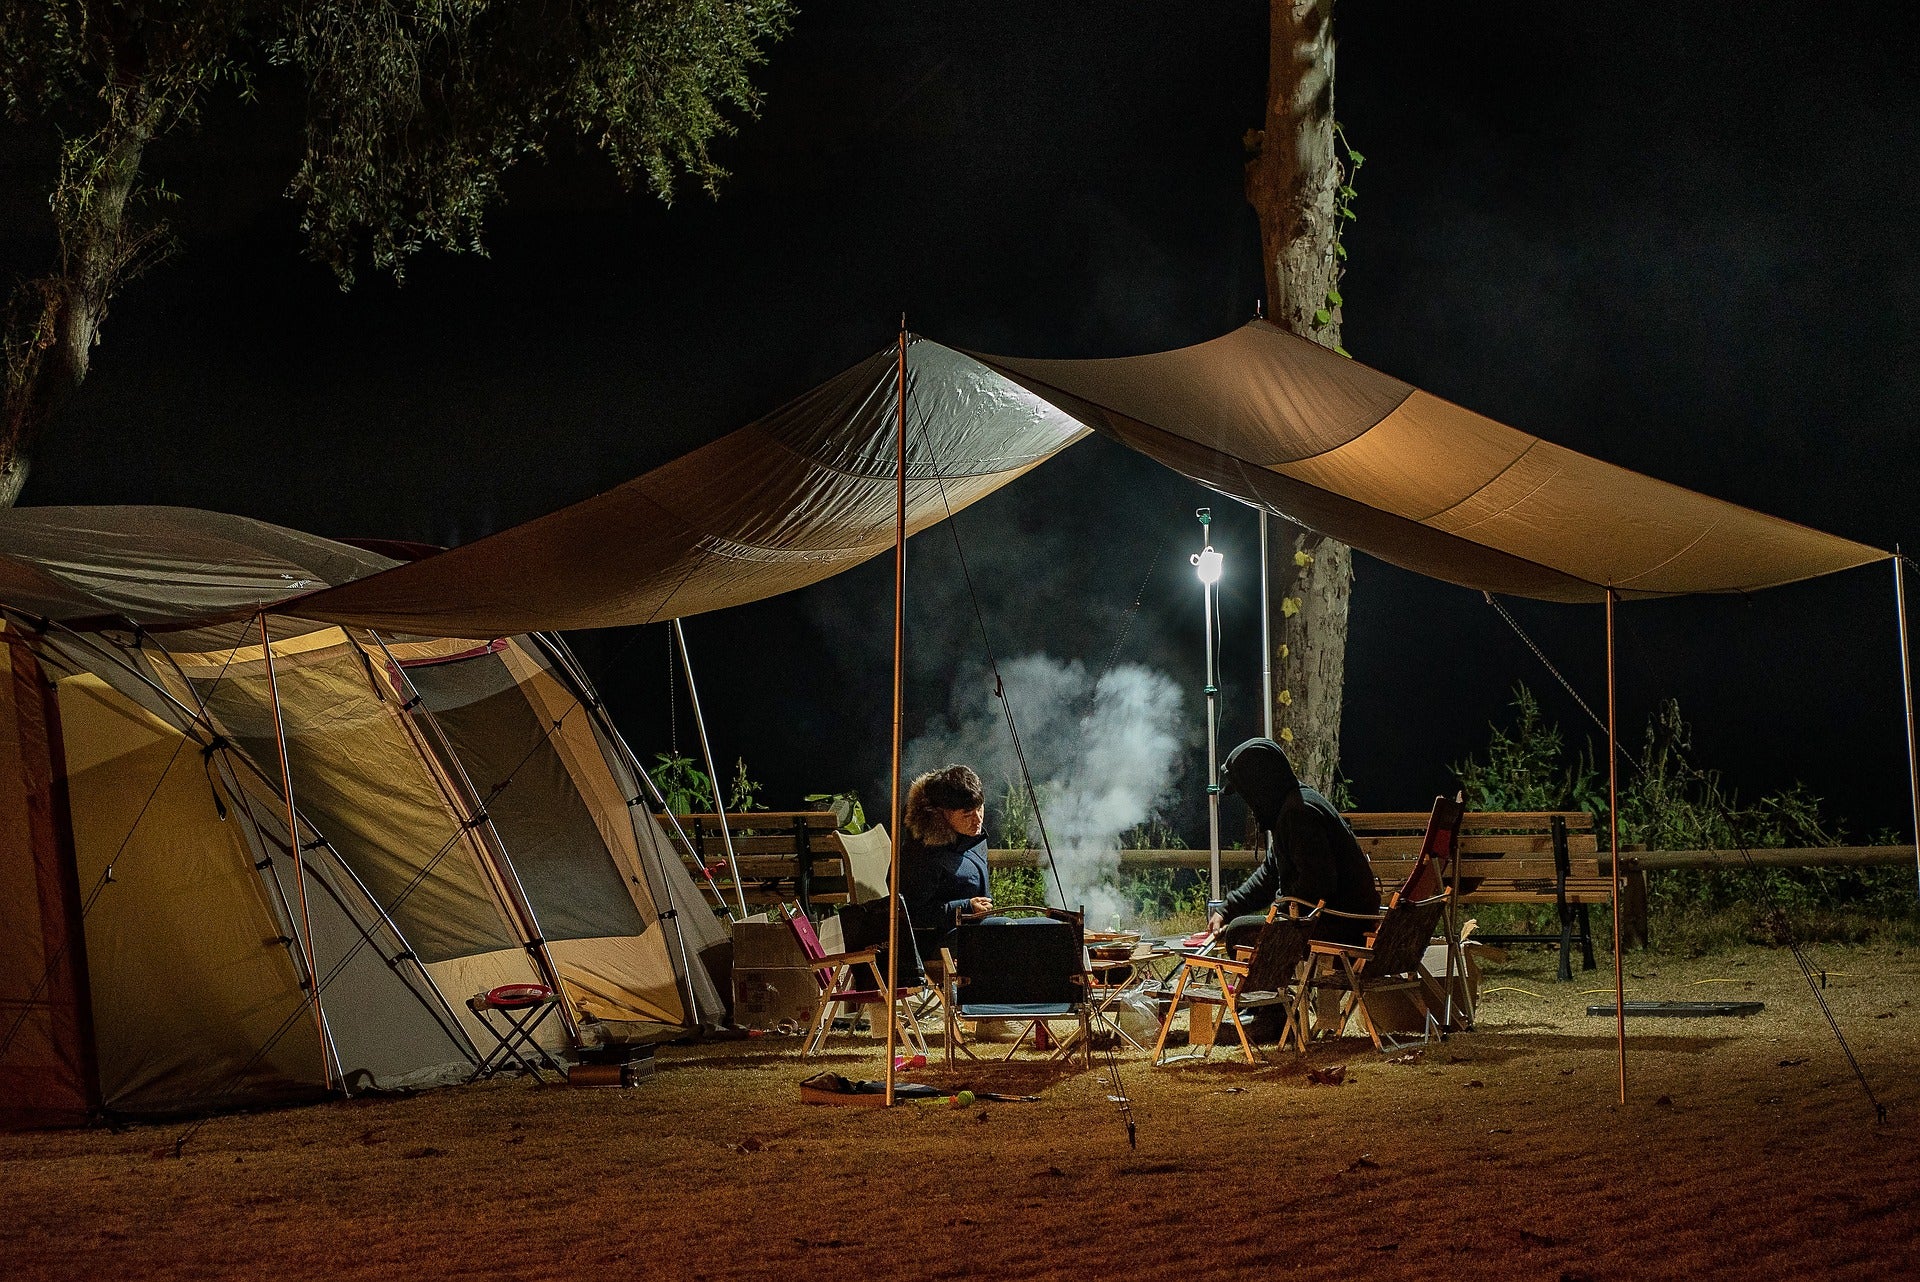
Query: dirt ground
{"points": [[1747, 1149]]}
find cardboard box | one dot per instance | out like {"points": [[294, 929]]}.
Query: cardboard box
{"points": [[765, 945], [766, 997]]}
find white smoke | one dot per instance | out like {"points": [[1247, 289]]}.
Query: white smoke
{"points": [[1104, 755]]}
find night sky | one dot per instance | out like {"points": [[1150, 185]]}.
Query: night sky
{"points": [[1676, 237]]}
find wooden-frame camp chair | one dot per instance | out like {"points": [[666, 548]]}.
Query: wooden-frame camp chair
{"points": [[1392, 959], [1025, 970], [842, 988], [1437, 868], [1267, 973]]}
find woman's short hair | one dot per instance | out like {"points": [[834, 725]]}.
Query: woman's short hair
{"points": [[955, 788]]}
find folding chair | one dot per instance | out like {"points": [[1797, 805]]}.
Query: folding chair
{"points": [[836, 975], [1390, 960], [1247, 978], [1437, 868], [513, 1013], [1025, 970]]}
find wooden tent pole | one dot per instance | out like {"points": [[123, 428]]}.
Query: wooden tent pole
{"points": [[1613, 847], [713, 775], [1266, 636], [299, 868], [1906, 687], [899, 645]]}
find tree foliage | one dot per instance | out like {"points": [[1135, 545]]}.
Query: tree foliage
{"points": [[415, 111]]}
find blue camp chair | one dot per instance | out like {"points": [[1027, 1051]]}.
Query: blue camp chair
{"points": [[1025, 970]]}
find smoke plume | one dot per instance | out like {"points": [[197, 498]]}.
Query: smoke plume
{"points": [[1104, 755]]}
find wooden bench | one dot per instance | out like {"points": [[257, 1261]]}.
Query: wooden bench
{"points": [[783, 855], [1534, 857]]}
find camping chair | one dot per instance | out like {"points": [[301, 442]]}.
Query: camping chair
{"points": [[1437, 868], [1024, 970], [1265, 974], [837, 975], [1390, 960]]}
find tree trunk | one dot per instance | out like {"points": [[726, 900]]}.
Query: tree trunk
{"points": [[1293, 181], [53, 322]]}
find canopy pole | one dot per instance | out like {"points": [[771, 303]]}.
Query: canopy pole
{"points": [[299, 867], [899, 700], [1266, 634], [1906, 687], [1613, 847], [713, 775]]}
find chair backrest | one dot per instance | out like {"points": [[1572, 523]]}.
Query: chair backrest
{"points": [[864, 926], [809, 940], [1018, 960], [1401, 940], [1278, 950], [868, 855], [1438, 849]]}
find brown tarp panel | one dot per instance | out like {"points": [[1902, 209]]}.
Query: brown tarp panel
{"points": [[1275, 421], [1258, 415], [804, 493]]}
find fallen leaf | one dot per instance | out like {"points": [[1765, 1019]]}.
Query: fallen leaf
{"points": [[1332, 1075], [1793, 1063], [1566, 1072], [1386, 1246], [1665, 1101], [427, 1150], [1538, 1239], [748, 1145], [1500, 1130], [1049, 1173], [1364, 1162], [1411, 1057], [1225, 1090], [1476, 1082]]}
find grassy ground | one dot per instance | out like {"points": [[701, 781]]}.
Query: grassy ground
{"points": [[1745, 1149]]}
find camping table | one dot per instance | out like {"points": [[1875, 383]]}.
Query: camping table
{"points": [[513, 1020], [1116, 977]]}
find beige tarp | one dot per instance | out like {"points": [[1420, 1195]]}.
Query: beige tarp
{"points": [[1259, 415]]}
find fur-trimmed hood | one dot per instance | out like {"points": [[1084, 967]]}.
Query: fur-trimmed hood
{"points": [[924, 820]]}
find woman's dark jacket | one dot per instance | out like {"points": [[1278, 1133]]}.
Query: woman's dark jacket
{"points": [[940, 870], [1311, 853]]}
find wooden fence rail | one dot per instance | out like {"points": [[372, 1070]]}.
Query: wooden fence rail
{"points": [[1643, 860]]}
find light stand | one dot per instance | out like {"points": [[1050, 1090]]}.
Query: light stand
{"points": [[1207, 564]]}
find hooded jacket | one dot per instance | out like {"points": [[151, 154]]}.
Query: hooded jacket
{"points": [[940, 870], [1311, 853]]}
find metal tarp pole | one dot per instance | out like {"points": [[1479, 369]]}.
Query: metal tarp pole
{"points": [[713, 776], [299, 868], [1613, 848], [1266, 634], [1906, 687], [899, 701]]}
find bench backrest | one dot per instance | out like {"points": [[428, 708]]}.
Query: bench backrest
{"points": [[1535, 840]]}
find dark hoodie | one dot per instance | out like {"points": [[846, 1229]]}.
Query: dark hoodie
{"points": [[1311, 853], [940, 870]]}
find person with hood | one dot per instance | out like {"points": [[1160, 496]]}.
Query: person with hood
{"points": [[1311, 853], [943, 862]]}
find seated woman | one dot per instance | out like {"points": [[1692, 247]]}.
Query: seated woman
{"points": [[1311, 853], [943, 861]]}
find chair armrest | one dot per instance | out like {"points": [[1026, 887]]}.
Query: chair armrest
{"points": [[1326, 949], [1335, 912], [846, 959]]}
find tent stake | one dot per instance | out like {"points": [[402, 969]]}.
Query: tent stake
{"points": [[1613, 846], [899, 645], [299, 867], [1906, 687], [713, 775]]}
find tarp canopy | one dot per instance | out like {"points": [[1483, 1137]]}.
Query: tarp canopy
{"points": [[1259, 415]]}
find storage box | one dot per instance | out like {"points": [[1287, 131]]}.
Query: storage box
{"points": [[766, 997], [765, 945]]}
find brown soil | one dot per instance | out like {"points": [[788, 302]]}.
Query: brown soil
{"points": [[1746, 1149]]}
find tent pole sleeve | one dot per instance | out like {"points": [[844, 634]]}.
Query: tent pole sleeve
{"points": [[557, 650], [1613, 849], [713, 775], [1266, 634], [477, 816], [899, 643], [1906, 688], [299, 868]]}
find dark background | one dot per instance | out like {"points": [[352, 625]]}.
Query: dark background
{"points": [[1677, 237]]}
